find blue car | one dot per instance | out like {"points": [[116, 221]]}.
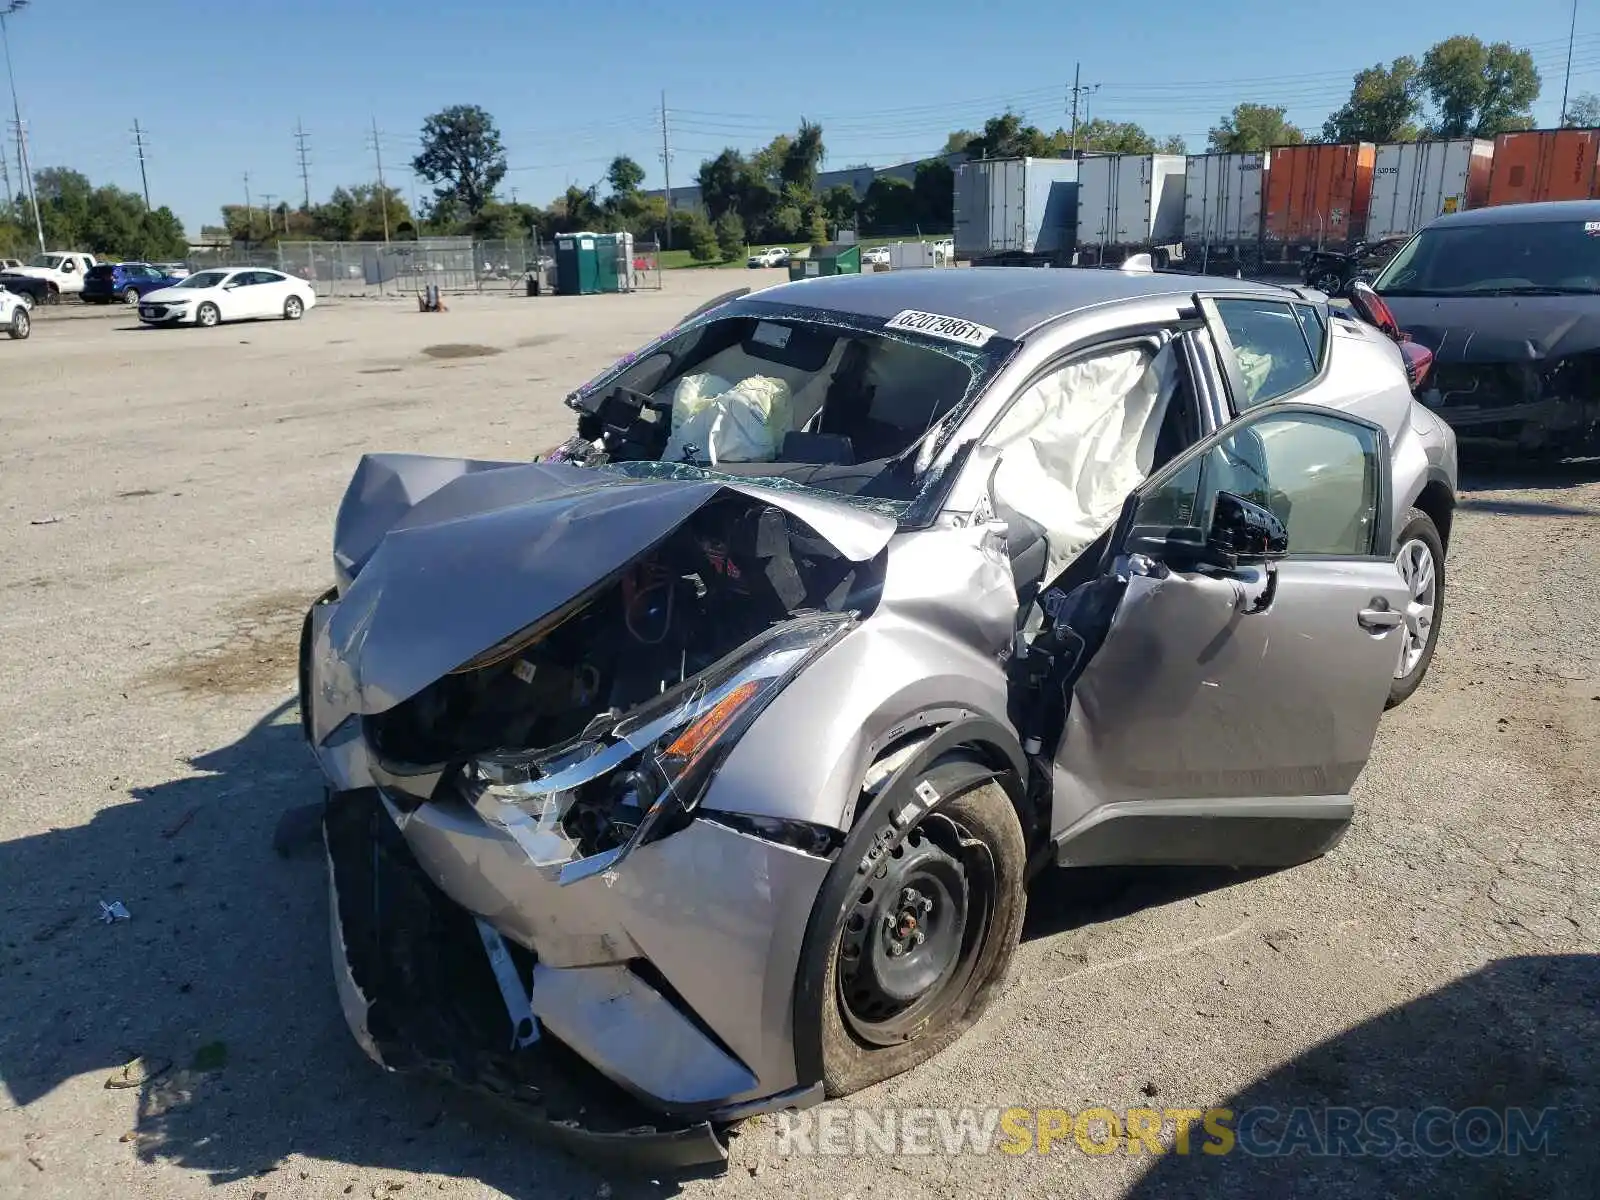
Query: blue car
{"points": [[106, 282]]}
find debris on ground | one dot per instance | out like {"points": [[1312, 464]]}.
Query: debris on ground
{"points": [[138, 1071], [45, 521], [174, 830], [113, 912]]}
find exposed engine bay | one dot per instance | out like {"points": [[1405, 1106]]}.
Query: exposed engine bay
{"points": [[638, 638]]}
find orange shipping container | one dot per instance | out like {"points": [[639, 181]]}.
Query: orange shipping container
{"points": [[1545, 164], [1319, 194]]}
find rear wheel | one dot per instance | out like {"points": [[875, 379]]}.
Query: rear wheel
{"points": [[52, 294], [1420, 561], [1328, 282], [207, 314], [920, 944], [21, 324], [293, 308]]}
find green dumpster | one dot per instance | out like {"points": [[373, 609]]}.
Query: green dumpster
{"points": [[577, 265], [827, 260]]}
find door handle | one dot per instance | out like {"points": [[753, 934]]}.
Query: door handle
{"points": [[1378, 619]]}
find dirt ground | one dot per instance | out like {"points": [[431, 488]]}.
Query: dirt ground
{"points": [[166, 502]]}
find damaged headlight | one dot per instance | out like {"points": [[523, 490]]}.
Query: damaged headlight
{"points": [[640, 776]]}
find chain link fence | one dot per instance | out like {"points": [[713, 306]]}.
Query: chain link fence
{"points": [[453, 264], [375, 269]]}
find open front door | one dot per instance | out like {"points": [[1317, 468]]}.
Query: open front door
{"points": [[1222, 682]]}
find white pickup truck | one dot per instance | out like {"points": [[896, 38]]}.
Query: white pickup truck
{"points": [[62, 269]]}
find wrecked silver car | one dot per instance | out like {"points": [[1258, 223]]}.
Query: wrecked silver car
{"points": [[696, 770]]}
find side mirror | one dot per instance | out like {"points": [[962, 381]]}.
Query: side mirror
{"points": [[1243, 534]]}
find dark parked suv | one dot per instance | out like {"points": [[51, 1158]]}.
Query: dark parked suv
{"points": [[127, 281]]}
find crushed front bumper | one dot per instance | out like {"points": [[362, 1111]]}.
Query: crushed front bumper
{"points": [[420, 996]]}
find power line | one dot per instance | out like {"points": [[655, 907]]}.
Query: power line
{"points": [[304, 154], [22, 133], [138, 140]]}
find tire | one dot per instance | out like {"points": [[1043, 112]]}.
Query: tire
{"points": [[1418, 542], [27, 300], [1329, 282], [293, 308], [21, 325], [130, 296], [52, 294], [207, 315], [977, 831]]}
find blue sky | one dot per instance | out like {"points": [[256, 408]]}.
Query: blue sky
{"points": [[219, 88]]}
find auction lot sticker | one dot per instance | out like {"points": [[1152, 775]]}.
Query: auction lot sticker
{"points": [[951, 329]]}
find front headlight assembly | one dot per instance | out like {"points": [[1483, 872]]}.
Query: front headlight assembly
{"points": [[578, 809]]}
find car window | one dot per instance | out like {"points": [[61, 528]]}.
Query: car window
{"points": [[1315, 327], [247, 278], [268, 277], [1318, 474], [1562, 256], [1268, 346]]}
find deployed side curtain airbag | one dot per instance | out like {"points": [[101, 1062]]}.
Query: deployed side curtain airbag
{"points": [[1079, 440]]}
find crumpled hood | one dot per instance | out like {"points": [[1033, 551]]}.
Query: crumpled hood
{"points": [[1500, 329], [439, 559]]}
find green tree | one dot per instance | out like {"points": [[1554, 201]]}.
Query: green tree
{"points": [[1583, 111], [730, 236], [1383, 106], [890, 206], [1254, 127], [1006, 136], [839, 205], [624, 176], [802, 159], [722, 181], [462, 155], [958, 141], [1122, 137], [1479, 90], [703, 245]]}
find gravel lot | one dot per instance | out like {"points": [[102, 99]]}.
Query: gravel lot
{"points": [[166, 500]]}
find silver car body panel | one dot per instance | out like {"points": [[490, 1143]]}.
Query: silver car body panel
{"points": [[1187, 711]]}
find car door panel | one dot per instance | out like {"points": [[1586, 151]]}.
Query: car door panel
{"points": [[1237, 734]]}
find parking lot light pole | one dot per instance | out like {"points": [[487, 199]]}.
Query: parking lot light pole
{"points": [[15, 6]]}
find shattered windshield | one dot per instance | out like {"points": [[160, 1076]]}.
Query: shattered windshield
{"points": [[1523, 258], [789, 398]]}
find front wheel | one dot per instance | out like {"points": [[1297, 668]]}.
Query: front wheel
{"points": [[293, 308], [21, 325], [920, 943], [131, 296], [1420, 561], [207, 315], [1330, 283]]}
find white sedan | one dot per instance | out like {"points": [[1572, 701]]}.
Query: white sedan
{"points": [[210, 297]]}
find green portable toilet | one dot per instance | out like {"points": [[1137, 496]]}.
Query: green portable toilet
{"points": [[577, 265], [614, 261], [827, 260]]}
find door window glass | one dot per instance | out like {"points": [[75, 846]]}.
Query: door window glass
{"points": [[1272, 354], [1319, 475]]}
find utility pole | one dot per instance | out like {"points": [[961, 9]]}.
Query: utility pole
{"points": [[266, 199], [138, 140], [666, 165], [305, 160], [1566, 83], [13, 6], [383, 192], [1079, 91], [249, 209]]}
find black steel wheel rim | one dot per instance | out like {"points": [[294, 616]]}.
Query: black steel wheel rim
{"points": [[914, 931]]}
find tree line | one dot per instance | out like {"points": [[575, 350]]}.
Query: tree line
{"points": [[76, 215]]}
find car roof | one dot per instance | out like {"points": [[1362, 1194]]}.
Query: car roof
{"points": [[1010, 300], [1523, 214]]}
